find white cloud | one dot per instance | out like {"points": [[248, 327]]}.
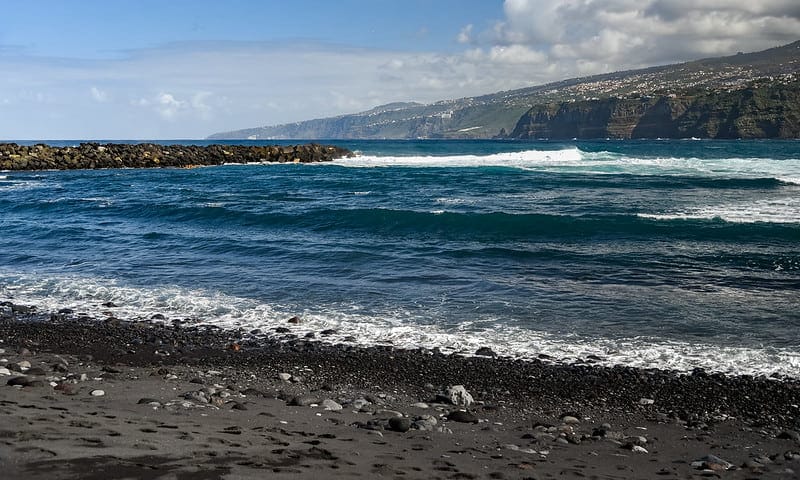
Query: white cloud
{"points": [[193, 89], [98, 95], [620, 34], [167, 106], [465, 35]]}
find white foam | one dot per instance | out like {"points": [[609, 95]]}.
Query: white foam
{"points": [[399, 328], [574, 160], [508, 159], [780, 210], [21, 185]]}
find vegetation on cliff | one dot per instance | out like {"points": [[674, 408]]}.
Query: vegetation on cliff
{"points": [[761, 110]]}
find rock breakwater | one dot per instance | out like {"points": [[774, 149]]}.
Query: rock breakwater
{"points": [[148, 155]]}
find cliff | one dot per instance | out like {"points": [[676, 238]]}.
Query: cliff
{"points": [[764, 109], [630, 98]]}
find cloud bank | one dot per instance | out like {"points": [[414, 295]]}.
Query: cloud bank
{"points": [[191, 90]]}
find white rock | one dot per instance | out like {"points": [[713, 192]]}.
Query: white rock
{"points": [[97, 393], [458, 395], [24, 365], [638, 449], [646, 401], [4, 371], [331, 405], [421, 405], [284, 377]]}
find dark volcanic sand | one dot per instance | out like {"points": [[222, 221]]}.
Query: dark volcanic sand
{"points": [[188, 402]]}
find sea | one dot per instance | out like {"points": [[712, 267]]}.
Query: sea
{"points": [[669, 254]]}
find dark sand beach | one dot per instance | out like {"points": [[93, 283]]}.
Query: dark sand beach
{"points": [[105, 398]]}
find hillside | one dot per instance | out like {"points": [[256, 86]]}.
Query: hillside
{"points": [[678, 87]]}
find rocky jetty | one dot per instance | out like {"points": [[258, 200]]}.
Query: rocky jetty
{"points": [[148, 155]]}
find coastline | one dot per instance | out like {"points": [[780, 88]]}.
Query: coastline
{"points": [[262, 410]]}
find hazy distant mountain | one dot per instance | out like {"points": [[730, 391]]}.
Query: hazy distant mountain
{"points": [[744, 95]]}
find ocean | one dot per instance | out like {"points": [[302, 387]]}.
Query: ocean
{"points": [[655, 254]]}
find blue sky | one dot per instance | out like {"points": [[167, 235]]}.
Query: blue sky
{"points": [[186, 69]]}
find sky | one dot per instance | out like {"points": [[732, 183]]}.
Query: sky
{"points": [[169, 69]]}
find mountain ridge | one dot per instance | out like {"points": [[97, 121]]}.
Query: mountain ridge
{"points": [[499, 114]]}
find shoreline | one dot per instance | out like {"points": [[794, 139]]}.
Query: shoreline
{"points": [[521, 409]]}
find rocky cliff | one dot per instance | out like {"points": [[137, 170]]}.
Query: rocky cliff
{"points": [[764, 109]]}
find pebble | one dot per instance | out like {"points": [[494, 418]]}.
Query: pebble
{"points": [[789, 435], [425, 422], [18, 381], [4, 372], [196, 397], [638, 449], [422, 405], [712, 462], [284, 377], [485, 352], [97, 393], [646, 401], [302, 400], [462, 417], [399, 424], [570, 420]]}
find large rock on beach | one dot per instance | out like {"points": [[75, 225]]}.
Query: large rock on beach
{"points": [[148, 155], [458, 395]]}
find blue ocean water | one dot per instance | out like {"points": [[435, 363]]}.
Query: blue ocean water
{"points": [[668, 254]]}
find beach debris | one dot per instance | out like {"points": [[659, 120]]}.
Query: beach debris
{"points": [[97, 393]]}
